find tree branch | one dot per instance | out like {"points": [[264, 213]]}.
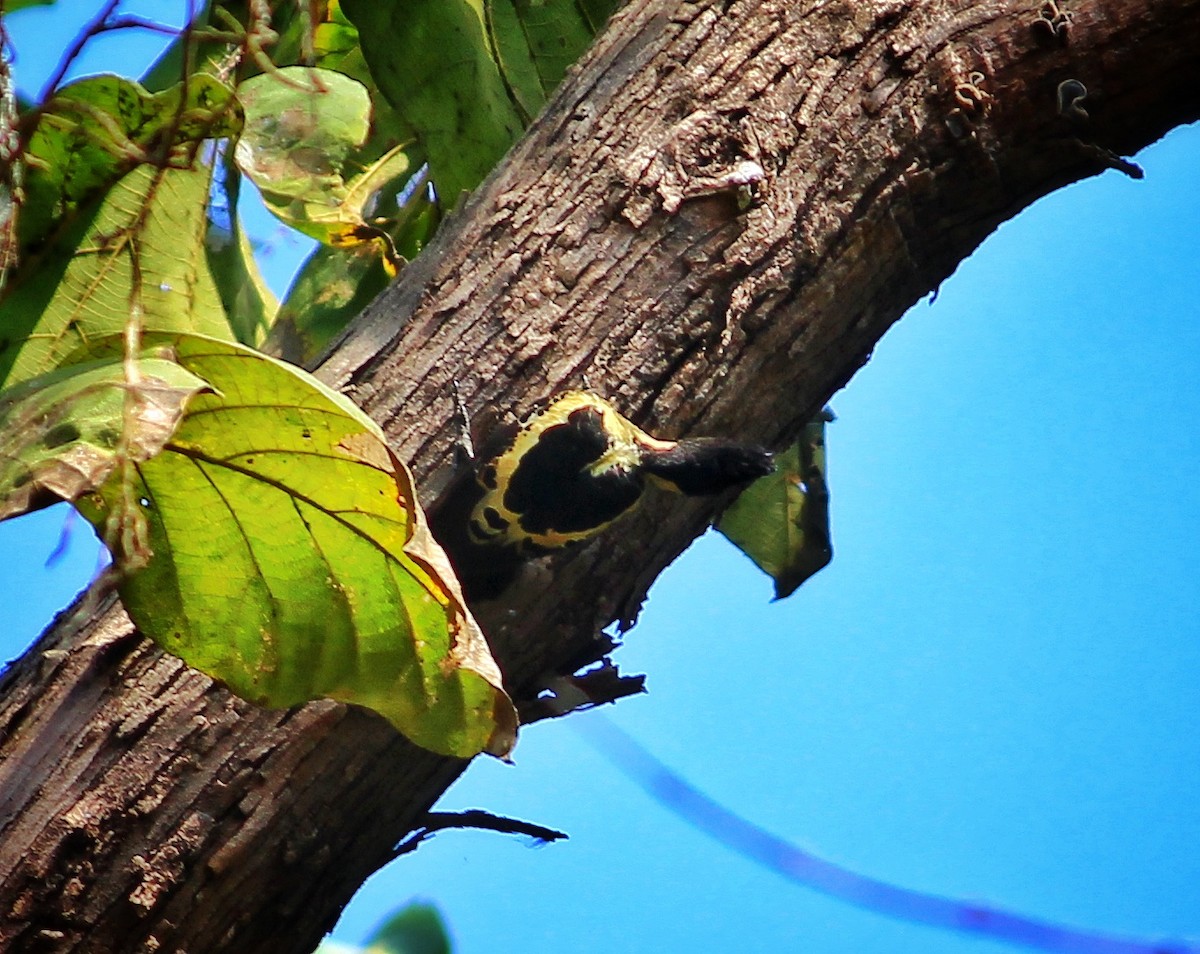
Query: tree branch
{"points": [[628, 238], [475, 818]]}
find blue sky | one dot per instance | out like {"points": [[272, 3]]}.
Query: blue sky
{"points": [[992, 692]]}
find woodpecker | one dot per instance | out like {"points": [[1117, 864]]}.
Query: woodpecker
{"points": [[578, 465]]}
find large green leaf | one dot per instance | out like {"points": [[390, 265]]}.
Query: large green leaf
{"points": [[291, 560], [781, 521], [144, 241], [469, 75], [437, 68], [60, 432]]}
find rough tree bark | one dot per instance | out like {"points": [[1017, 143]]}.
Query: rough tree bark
{"points": [[142, 808]]}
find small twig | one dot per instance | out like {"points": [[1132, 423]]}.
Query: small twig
{"points": [[597, 687], [129, 21], [252, 40], [93, 27], [1109, 158], [479, 819], [11, 168]]}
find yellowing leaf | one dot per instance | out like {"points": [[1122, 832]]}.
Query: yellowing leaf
{"points": [[301, 125], [781, 521], [59, 432], [291, 559]]}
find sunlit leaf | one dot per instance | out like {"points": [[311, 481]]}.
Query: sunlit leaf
{"points": [[151, 225], [291, 561], [93, 131], [301, 125], [781, 521], [59, 432]]}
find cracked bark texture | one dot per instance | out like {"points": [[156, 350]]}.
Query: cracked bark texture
{"points": [[142, 808]]}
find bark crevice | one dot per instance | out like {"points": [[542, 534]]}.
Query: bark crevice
{"points": [[144, 808]]}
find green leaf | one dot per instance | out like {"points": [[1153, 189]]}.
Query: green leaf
{"points": [[415, 929], [436, 67], [554, 33], [291, 560], [332, 286], [93, 131], [250, 306], [781, 521], [510, 47], [59, 432], [301, 125], [152, 225], [12, 6], [468, 75]]}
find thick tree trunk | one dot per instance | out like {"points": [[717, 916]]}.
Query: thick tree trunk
{"points": [[143, 808]]}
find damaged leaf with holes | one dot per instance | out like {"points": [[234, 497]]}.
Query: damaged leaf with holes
{"points": [[60, 433], [781, 521], [291, 561], [304, 128]]}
